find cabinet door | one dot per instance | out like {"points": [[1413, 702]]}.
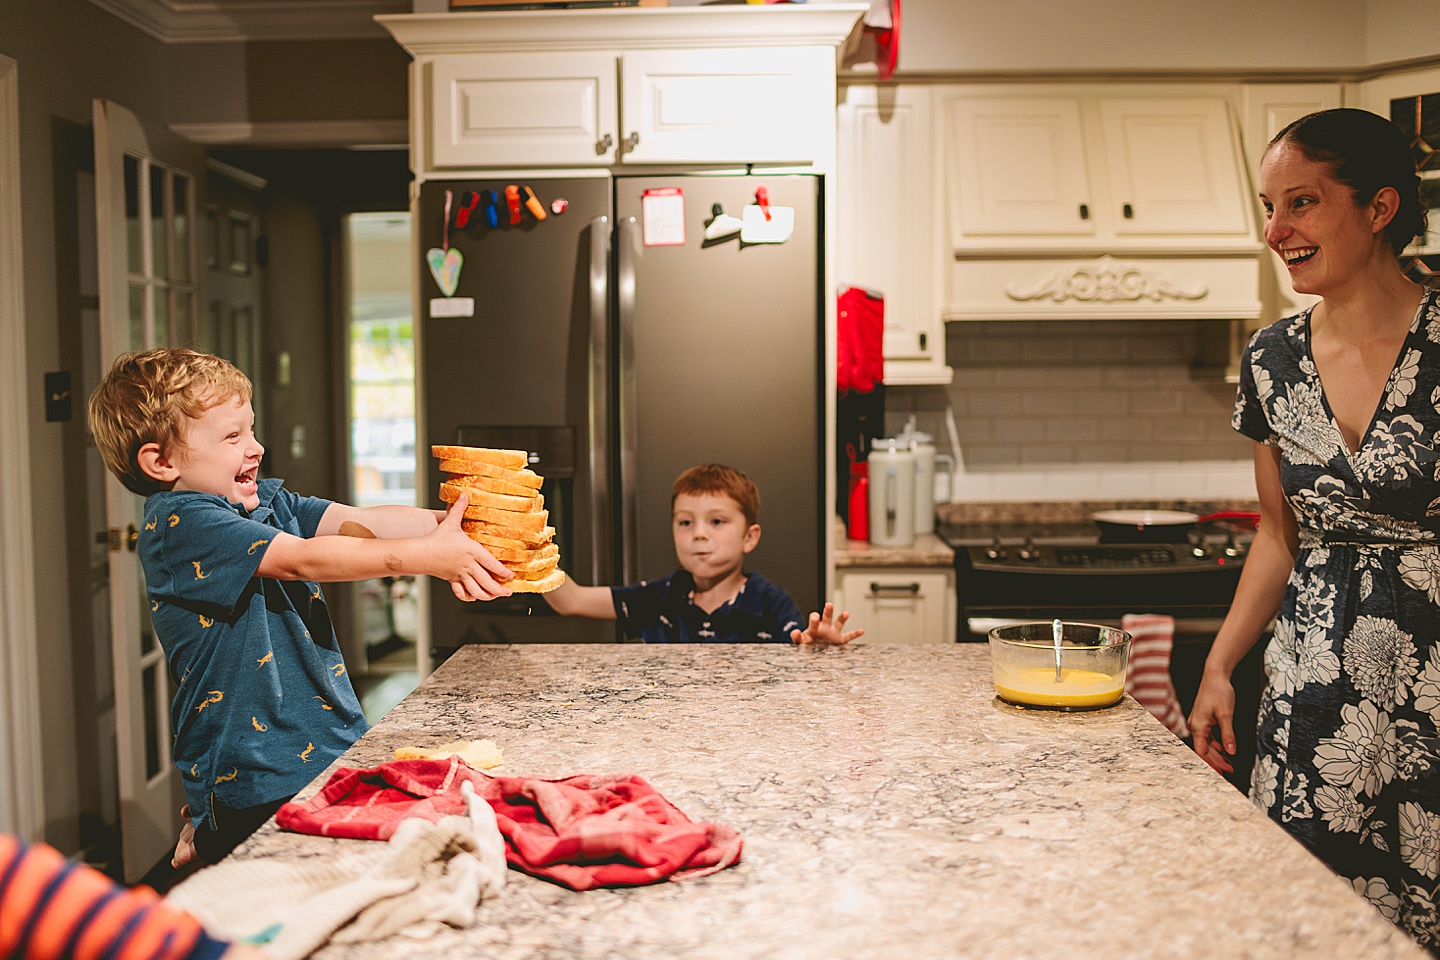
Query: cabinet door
{"points": [[1019, 169], [513, 109], [727, 105], [1172, 167], [885, 219], [898, 606]]}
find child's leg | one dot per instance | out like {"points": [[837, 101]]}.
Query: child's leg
{"points": [[229, 827]]}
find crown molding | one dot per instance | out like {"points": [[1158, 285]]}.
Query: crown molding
{"points": [[232, 21]]}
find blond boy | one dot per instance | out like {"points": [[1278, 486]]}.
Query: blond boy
{"points": [[233, 566], [715, 518]]}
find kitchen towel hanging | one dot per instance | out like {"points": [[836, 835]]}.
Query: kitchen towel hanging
{"points": [[860, 340], [1152, 637]]}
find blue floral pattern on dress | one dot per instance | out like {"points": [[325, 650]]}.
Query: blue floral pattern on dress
{"points": [[1348, 756]]}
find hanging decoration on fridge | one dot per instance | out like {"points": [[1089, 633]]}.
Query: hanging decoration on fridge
{"points": [[763, 223], [445, 263], [662, 212], [721, 226]]}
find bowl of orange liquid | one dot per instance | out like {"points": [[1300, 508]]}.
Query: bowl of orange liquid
{"points": [[1059, 664]]}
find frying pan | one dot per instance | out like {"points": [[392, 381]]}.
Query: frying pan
{"points": [[1162, 526]]}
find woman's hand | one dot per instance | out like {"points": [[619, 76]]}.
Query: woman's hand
{"points": [[1212, 721]]}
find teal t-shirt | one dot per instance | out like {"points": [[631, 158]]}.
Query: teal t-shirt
{"points": [[264, 702]]}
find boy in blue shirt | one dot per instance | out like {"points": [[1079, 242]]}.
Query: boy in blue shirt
{"points": [[715, 516], [233, 566]]}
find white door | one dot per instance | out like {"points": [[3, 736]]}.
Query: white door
{"points": [[146, 185]]}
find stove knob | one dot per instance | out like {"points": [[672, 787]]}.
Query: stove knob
{"points": [[995, 551], [1198, 549], [1028, 551], [1233, 547]]}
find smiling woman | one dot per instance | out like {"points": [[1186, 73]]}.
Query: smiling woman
{"points": [[1339, 403]]}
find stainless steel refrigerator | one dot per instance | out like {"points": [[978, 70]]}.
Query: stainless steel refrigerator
{"points": [[618, 361]]}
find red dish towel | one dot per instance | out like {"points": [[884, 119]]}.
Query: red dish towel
{"points": [[1152, 636], [584, 831], [859, 340]]}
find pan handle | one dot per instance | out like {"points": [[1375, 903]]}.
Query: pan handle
{"points": [[1249, 517]]}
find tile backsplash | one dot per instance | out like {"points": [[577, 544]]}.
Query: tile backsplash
{"points": [[1064, 410]]}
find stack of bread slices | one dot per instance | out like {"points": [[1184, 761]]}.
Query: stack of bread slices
{"points": [[506, 512]]}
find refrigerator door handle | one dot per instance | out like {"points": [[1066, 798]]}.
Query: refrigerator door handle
{"points": [[625, 253], [599, 404]]}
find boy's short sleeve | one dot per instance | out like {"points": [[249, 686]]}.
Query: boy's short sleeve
{"points": [[637, 605]]}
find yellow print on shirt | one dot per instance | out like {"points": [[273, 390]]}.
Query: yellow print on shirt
{"points": [[255, 722], [256, 545], [323, 704], [198, 574], [193, 771], [339, 669], [265, 659], [154, 605], [234, 772], [150, 524], [305, 754], [174, 519], [206, 621], [215, 697], [316, 594]]}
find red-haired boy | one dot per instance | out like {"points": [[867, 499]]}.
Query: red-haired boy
{"points": [[715, 514]]}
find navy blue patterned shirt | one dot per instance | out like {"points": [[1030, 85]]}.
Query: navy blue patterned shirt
{"points": [[264, 702], [664, 611]]}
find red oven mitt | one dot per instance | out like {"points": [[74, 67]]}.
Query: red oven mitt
{"points": [[583, 831]]}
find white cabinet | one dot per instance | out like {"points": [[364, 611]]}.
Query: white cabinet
{"points": [[600, 88], [1107, 174], [899, 604], [888, 229]]}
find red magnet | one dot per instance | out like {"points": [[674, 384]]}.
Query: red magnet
{"points": [[512, 198], [559, 205], [762, 197], [468, 202]]}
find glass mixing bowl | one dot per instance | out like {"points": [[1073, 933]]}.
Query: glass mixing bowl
{"points": [[1085, 672]]}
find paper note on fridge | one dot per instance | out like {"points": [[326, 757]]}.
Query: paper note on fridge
{"points": [[777, 229], [452, 307]]}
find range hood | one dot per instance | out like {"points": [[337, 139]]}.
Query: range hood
{"points": [[1097, 207]]}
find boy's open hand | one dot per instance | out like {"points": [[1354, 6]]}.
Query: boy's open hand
{"points": [[474, 574], [825, 627]]}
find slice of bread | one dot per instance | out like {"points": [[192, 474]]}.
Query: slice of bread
{"points": [[513, 459], [545, 585], [493, 536], [450, 492], [481, 754], [475, 468], [509, 555], [490, 485], [532, 569], [519, 522]]}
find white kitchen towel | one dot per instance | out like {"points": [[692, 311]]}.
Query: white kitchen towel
{"points": [[426, 875], [1152, 636]]}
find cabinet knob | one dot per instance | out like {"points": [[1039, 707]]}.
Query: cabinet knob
{"points": [[604, 144], [1129, 212], [1084, 211], [630, 143], [924, 339]]}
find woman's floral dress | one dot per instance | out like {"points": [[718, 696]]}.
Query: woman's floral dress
{"points": [[1348, 757]]}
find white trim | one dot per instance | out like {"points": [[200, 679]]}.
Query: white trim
{"points": [[21, 775], [218, 21], [244, 178], [298, 133]]}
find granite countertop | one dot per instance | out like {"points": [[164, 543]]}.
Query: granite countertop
{"points": [[928, 550], [890, 805]]}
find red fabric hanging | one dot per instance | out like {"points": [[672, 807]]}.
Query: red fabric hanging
{"points": [[859, 340]]}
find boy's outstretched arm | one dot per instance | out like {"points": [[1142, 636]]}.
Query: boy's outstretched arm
{"points": [[388, 521], [826, 627], [445, 553], [573, 600]]}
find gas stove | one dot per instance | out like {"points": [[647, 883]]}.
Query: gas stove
{"points": [[1080, 548]]}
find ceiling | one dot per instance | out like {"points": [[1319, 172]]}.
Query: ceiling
{"points": [[219, 21]]}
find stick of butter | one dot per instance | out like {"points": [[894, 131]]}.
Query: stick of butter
{"points": [[480, 754]]}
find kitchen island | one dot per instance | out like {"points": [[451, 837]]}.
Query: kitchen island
{"points": [[890, 806]]}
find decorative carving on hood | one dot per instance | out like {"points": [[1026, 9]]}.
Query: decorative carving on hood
{"points": [[1106, 280]]}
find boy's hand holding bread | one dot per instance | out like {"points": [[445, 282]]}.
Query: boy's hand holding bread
{"points": [[503, 512]]}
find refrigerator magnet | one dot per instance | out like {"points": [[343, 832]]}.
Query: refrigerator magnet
{"points": [[662, 215]]}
